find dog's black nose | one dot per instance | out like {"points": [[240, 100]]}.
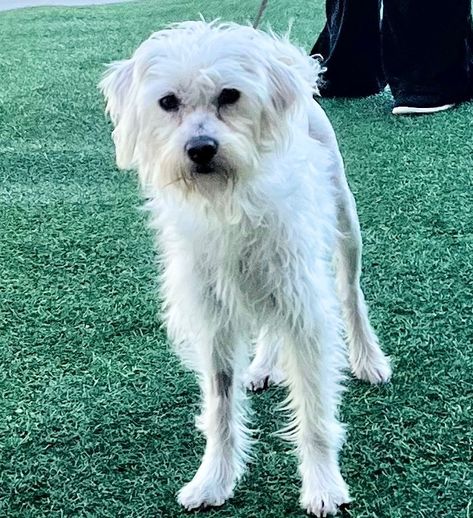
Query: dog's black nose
{"points": [[201, 150]]}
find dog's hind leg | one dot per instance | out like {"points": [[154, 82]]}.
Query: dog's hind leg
{"points": [[265, 370], [223, 423], [366, 358]]}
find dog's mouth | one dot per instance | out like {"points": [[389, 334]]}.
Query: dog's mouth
{"points": [[212, 177], [217, 168], [203, 169]]}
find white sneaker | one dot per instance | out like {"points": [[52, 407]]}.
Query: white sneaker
{"points": [[413, 110]]}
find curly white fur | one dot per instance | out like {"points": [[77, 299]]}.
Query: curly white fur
{"points": [[248, 245]]}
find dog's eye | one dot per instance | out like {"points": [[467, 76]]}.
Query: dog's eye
{"points": [[228, 96], [169, 103]]}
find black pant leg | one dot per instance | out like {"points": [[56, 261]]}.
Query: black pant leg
{"points": [[427, 51], [350, 44]]}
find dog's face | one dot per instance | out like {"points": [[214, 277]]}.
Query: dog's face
{"points": [[198, 105]]}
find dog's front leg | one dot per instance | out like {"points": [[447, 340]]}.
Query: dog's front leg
{"points": [[311, 360], [223, 423]]}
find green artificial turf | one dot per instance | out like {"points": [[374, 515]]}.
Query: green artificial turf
{"points": [[96, 414]]}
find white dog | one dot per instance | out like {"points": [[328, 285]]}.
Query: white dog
{"points": [[259, 239]]}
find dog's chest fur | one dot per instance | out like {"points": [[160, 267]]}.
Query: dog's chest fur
{"points": [[254, 266], [249, 258]]}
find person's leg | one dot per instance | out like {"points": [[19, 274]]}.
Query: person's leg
{"points": [[428, 52], [350, 45]]}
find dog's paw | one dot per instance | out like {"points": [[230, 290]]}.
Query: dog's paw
{"points": [[260, 378], [375, 370], [201, 495], [324, 507], [324, 491], [322, 503]]}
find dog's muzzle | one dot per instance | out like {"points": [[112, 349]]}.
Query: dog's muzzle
{"points": [[201, 150]]}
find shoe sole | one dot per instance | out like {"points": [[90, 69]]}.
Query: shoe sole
{"points": [[411, 110]]}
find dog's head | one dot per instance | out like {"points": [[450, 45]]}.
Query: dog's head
{"points": [[199, 104]]}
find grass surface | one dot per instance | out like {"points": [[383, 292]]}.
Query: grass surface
{"points": [[96, 415]]}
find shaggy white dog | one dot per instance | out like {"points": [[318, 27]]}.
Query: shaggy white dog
{"points": [[259, 239]]}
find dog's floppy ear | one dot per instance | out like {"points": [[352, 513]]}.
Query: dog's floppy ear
{"points": [[118, 89], [284, 87], [291, 78], [292, 73]]}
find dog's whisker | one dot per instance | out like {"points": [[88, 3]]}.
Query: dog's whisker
{"points": [[172, 182]]}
